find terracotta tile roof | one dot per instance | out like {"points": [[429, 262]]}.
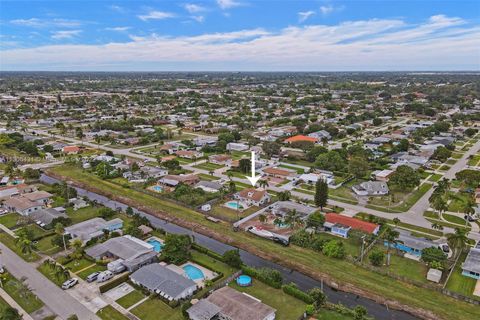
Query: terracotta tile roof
{"points": [[71, 149], [278, 171], [300, 138], [250, 193], [354, 223]]}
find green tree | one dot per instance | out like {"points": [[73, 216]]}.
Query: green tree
{"points": [[334, 249], [390, 236], [176, 249], [358, 167], [316, 220], [457, 240], [232, 258], [318, 296], [405, 178], [433, 254], [376, 257], [321, 193], [10, 313], [359, 313]]}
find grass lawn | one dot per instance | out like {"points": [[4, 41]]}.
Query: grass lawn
{"points": [[83, 214], [298, 170], [208, 166], [45, 245], [447, 224], [407, 268], [85, 273], [454, 219], [152, 308], [435, 177], [294, 257], [237, 174], [110, 313], [288, 307], [207, 177], [35, 230], [9, 220], [10, 243], [444, 167], [331, 315], [3, 305], [408, 202], [459, 201], [403, 225], [213, 264], [130, 299], [25, 298], [237, 155], [49, 273], [220, 211], [343, 192], [298, 162], [459, 283], [77, 265]]}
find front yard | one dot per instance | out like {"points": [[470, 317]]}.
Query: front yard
{"points": [[20, 292]]}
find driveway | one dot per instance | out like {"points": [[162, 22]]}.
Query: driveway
{"points": [[55, 298]]}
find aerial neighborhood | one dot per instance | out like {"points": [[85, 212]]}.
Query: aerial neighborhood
{"points": [[240, 196]]}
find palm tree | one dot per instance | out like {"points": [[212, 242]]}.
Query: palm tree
{"points": [[390, 236], [292, 218], [263, 183], [437, 226], [396, 221], [25, 245], [457, 240], [262, 218]]}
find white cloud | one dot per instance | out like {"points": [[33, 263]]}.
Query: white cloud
{"points": [[65, 34], [118, 9], [42, 23], [198, 18], [156, 15], [327, 9], [228, 4], [439, 43], [304, 15], [118, 29], [194, 8]]}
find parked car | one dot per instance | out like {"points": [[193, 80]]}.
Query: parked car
{"points": [[104, 276], [3, 211], [69, 283], [93, 276]]}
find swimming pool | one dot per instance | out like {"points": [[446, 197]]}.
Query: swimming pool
{"points": [[157, 245], [234, 205], [157, 188], [193, 272], [244, 280]]}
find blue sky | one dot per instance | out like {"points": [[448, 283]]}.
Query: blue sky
{"points": [[251, 35]]}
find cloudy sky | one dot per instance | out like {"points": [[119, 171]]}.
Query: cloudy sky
{"points": [[239, 35]]}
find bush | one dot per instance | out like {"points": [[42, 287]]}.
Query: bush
{"points": [[292, 289], [376, 258], [268, 276], [232, 258], [334, 249]]}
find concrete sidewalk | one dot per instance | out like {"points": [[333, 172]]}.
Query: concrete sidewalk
{"points": [[15, 305]]}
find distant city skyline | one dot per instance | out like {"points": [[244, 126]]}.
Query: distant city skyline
{"points": [[240, 35]]}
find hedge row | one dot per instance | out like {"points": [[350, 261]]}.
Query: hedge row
{"points": [[208, 252], [292, 290], [264, 275], [115, 282]]}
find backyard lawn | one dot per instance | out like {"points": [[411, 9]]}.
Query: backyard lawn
{"points": [[50, 274], [110, 313], [152, 308], [227, 214], [459, 283], [130, 299], [77, 265], [287, 307], [10, 243], [45, 245], [83, 214]]}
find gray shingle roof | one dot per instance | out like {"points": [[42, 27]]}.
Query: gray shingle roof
{"points": [[156, 277], [203, 310], [472, 262]]}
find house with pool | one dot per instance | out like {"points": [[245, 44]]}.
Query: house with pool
{"points": [[253, 197], [131, 252], [162, 280], [412, 245]]}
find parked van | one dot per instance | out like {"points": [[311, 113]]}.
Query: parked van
{"points": [[104, 276], [93, 276]]}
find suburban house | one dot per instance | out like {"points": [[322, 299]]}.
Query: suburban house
{"points": [[71, 149], [133, 252], [163, 281], [173, 180], [279, 172], [229, 304], [93, 228], [410, 244], [471, 266], [312, 178], [189, 154], [282, 208], [13, 190], [46, 216], [300, 138], [320, 135], [382, 175], [341, 225], [233, 146], [209, 186], [220, 159], [253, 197], [371, 188], [40, 197], [21, 205], [78, 203]]}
